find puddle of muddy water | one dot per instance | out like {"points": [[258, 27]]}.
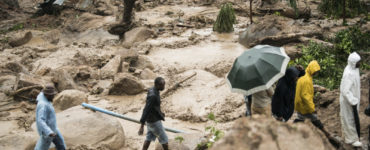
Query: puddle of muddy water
{"points": [[90, 36]]}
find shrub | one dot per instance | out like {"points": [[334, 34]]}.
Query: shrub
{"points": [[225, 19], [334, 59], [214, 134], [331, 67]]}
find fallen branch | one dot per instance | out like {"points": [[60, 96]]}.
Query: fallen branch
{"points": [[8, 108], [16, 82], [25, 89], [175, 86]]}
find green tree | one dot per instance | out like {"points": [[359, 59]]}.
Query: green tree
{"points": [[342, 8], [225, 19]]}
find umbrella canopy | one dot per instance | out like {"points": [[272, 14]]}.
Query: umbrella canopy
{"points": [[257, 69]]}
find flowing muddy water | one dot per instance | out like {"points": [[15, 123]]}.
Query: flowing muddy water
{"points": [[186, 108]]}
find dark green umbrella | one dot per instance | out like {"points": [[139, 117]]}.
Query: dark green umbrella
{"points": [[257, 69]]}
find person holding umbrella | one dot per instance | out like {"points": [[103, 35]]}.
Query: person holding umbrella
{"points": [[255, 71], [350, 95], [282, 105]]}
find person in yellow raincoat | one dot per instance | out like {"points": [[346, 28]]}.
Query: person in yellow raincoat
{"points": [[304, 97]]}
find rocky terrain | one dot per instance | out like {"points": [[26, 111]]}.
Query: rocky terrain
{"points": [[172, 39]]}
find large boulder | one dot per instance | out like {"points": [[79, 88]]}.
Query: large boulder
{"points": [[255, 32], [84, 128], [26, 80], [7, 83], [69, 98], [135, 35], [147, 74], [261, 132], [63, 80], [101, 86], [19, 140], [143, 62], [126, 84], [111, 68], [277, 31], [72, 77]]}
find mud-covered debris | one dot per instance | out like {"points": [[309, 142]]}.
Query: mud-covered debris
{"points": [[126, 84], [21, 41], [266, 133], [111, 68], [69, 98]]}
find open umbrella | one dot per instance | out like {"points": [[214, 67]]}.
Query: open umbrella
{"points": [[257, 69]]}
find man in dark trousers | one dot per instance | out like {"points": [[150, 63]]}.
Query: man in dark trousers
{"points": [[152, 116]]}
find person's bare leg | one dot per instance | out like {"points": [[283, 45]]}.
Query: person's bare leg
{"points": [[146, 145], [165, 146]]}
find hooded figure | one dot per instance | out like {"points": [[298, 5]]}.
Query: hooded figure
{"points": [[304, 91], [46, 121], [282, 105], [350, 96]]}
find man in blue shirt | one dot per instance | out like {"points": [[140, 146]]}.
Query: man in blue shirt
{"points": [[46, 121]]}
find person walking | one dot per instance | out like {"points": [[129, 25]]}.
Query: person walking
{"points": [[304, 97], [152, 116], [350, 95], [282, 105], [46, 121], [261, 103]]}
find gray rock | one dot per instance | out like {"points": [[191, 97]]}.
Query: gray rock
{"points": [[69, 98], [83, 127], [63, 79], [139, 34], [20, 140], [126, 84], [147, 74], [111, 68]]}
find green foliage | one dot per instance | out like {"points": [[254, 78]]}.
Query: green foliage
{"points": [[334, 8], [180, 139], [225, 19], [293, 4], [4, 40], [15, 27], [211, 116], [214, 134], [352, 39], [277, 13], [334, 59], [331, 68]]}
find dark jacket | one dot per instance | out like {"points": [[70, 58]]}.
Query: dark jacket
{"points": [[152, 110], [282, 104]]}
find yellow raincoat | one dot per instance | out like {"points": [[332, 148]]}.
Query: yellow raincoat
{"points": [[304, 91]]}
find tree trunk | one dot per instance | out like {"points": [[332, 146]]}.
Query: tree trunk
{"points": [[250, 10], [344, 12], [127, 14]]}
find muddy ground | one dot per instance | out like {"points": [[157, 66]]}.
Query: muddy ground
{"points": [[72, 51]]}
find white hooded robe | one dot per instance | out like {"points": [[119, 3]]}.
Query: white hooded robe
{"points": [[350, 95]]}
